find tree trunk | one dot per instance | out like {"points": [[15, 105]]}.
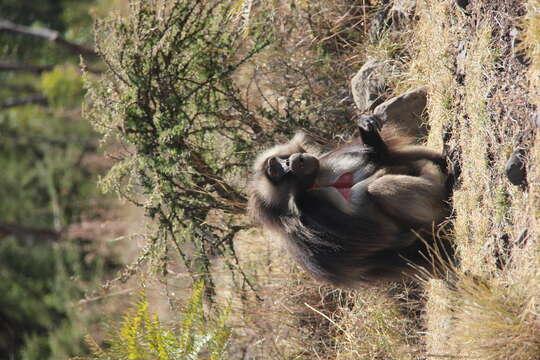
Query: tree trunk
{"points": [[28, 233], [27, 100], [48, 34]]}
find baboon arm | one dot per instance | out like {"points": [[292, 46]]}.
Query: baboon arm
{"points": [[410, 200], [412, 153]]}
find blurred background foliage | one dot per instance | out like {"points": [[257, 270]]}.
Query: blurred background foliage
{"points": [[47, 182]]}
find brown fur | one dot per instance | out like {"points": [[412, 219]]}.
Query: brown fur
{"points": [[373, 237]]}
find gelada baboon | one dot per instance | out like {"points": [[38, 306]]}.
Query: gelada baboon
{"points": [[357, 213]]}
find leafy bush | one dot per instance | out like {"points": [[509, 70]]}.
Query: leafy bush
{"points": [[63, 86], [142, 336], [169, 96]]}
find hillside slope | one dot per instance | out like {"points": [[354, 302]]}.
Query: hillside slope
{"points": [[480, 67]]}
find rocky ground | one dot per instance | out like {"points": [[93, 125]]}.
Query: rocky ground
{"points": [[467, 73]]}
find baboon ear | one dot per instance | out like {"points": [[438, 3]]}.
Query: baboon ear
{"points": [[300, 139]]}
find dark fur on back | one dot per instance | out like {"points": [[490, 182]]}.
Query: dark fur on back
{"points": [[328, 246]]}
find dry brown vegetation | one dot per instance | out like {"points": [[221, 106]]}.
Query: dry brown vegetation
{"points": [[483, 101]]}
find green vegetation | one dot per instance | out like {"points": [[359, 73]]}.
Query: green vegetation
{"points": [[170, 98], [46, 185], [142, 335]]}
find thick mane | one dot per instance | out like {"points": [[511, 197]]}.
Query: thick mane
{"points": [[341, 249]]}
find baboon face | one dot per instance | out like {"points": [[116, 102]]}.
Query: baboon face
{"points": [[298, 170], [284, 170]]}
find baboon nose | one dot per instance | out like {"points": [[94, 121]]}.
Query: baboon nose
{"points": [[296, 162]]}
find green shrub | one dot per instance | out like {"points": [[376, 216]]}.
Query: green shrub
{"points": [[142, 336], [170, 97]]}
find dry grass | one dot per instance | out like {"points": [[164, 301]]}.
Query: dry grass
{"points": [[476, 196], [431, 65], [377, 326], [299, 318], [492, 312], [279, 324], [482, 100]]}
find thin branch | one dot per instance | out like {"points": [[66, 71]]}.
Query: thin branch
{"points": [[25, 140], [98, 298], [48, 34], [28, 233], [27, 100], [32, 68], [36, 69]]}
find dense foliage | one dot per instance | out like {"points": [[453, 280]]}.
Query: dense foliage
{"points": [[141, 335], [46, 186], [170, 97]]}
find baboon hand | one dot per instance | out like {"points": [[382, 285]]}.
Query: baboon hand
{"points": [[369, 133], [369, 123]]}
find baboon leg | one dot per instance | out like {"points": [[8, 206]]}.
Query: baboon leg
{"points": [[413, 200]]}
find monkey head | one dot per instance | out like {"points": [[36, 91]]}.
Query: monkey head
{"points": [[299, 169], [284, 171]]}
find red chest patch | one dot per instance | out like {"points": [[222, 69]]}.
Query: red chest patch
{"points": [[343, 185], [344, 181], [346, 192]]}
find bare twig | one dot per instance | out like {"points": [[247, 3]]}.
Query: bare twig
{"points": [[12, 66]]}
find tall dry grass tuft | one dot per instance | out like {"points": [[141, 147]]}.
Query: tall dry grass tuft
{"points": [[496, 320], [375, 325], [433, 52], [491, 309], [531, 40], [476, 196]]}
